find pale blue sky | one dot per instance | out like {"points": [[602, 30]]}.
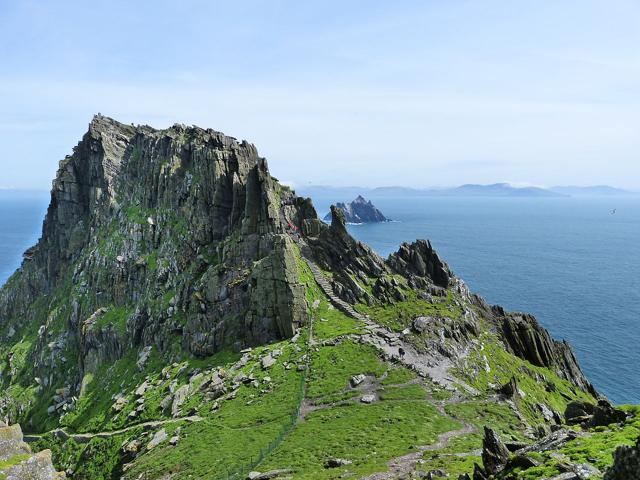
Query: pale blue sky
{"points": [[417, 93]]}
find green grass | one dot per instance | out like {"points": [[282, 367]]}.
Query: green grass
{"points": [[332, 367], [451, 463], [137, 214], [233, 438], [481, 413], [397, 375], [399, 315], [13, 461], [367, 435], [503, 366], [115, 317]]}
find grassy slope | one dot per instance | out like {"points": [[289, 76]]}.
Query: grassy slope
{"points": [[260, 429]]}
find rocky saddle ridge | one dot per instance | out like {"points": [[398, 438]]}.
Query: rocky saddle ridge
{"points": [[359, 211], [163, 252]]}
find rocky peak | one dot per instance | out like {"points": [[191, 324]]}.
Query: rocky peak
{"points": [[358, 211], [419, 259]]}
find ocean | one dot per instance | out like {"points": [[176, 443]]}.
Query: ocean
{"points": [[21, 216], [568, 261]]}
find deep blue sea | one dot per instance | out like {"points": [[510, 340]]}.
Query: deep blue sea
{"points": [[21, 216], [566, 260]]}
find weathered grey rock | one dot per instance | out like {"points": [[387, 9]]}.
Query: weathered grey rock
{"points": [[269, 475], [626, 463], [358, 211], [495, 454], [525, 338], [159, 437], [337, 463], [369, 398], [267, 361], [357, 379], [36, 466], [509, 389], [143, 357], [420, 324], [181, 396], [420, 260]]}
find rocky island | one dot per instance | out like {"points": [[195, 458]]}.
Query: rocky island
{"points": [[358, 211], [184, 315]]}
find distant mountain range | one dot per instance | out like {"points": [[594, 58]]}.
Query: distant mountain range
{"points": [[467, 190]]}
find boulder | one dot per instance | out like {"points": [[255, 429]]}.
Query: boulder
{"points": [[159, 437], [179, 398], [357, 380], [336, 463], [626, 463], [495, 454], [590, 415]]}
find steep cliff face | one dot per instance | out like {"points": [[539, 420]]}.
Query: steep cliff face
{"points": [[174, 239], [177, 285]]}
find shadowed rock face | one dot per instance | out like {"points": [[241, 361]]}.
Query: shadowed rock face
{"points": [[527, 339], [626, 463], [495, 455], [419, 259]]}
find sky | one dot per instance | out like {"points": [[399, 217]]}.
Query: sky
{"points": [[412, 93]]}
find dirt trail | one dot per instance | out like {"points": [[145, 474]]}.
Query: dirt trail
{"points": [[86, 437]]}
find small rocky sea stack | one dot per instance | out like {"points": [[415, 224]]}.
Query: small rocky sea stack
{"points": [[359, 211]]}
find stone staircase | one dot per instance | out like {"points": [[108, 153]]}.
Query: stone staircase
{"points": [[18, 462], [326, 287]]}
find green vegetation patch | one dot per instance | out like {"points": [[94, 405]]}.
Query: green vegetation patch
{"points": [[367, 435], [115, 317], [399, 315], [489, 366], [332, 367], [481, 413]]}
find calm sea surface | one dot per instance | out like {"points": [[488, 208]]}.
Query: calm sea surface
{"points": [[566, 260]]}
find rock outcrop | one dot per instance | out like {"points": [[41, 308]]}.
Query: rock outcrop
{"points": [[18, 462], [495, 455], [527, 339], [358, 211], [590, 415], [419, 260], [626, 463], [152, 237]]}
